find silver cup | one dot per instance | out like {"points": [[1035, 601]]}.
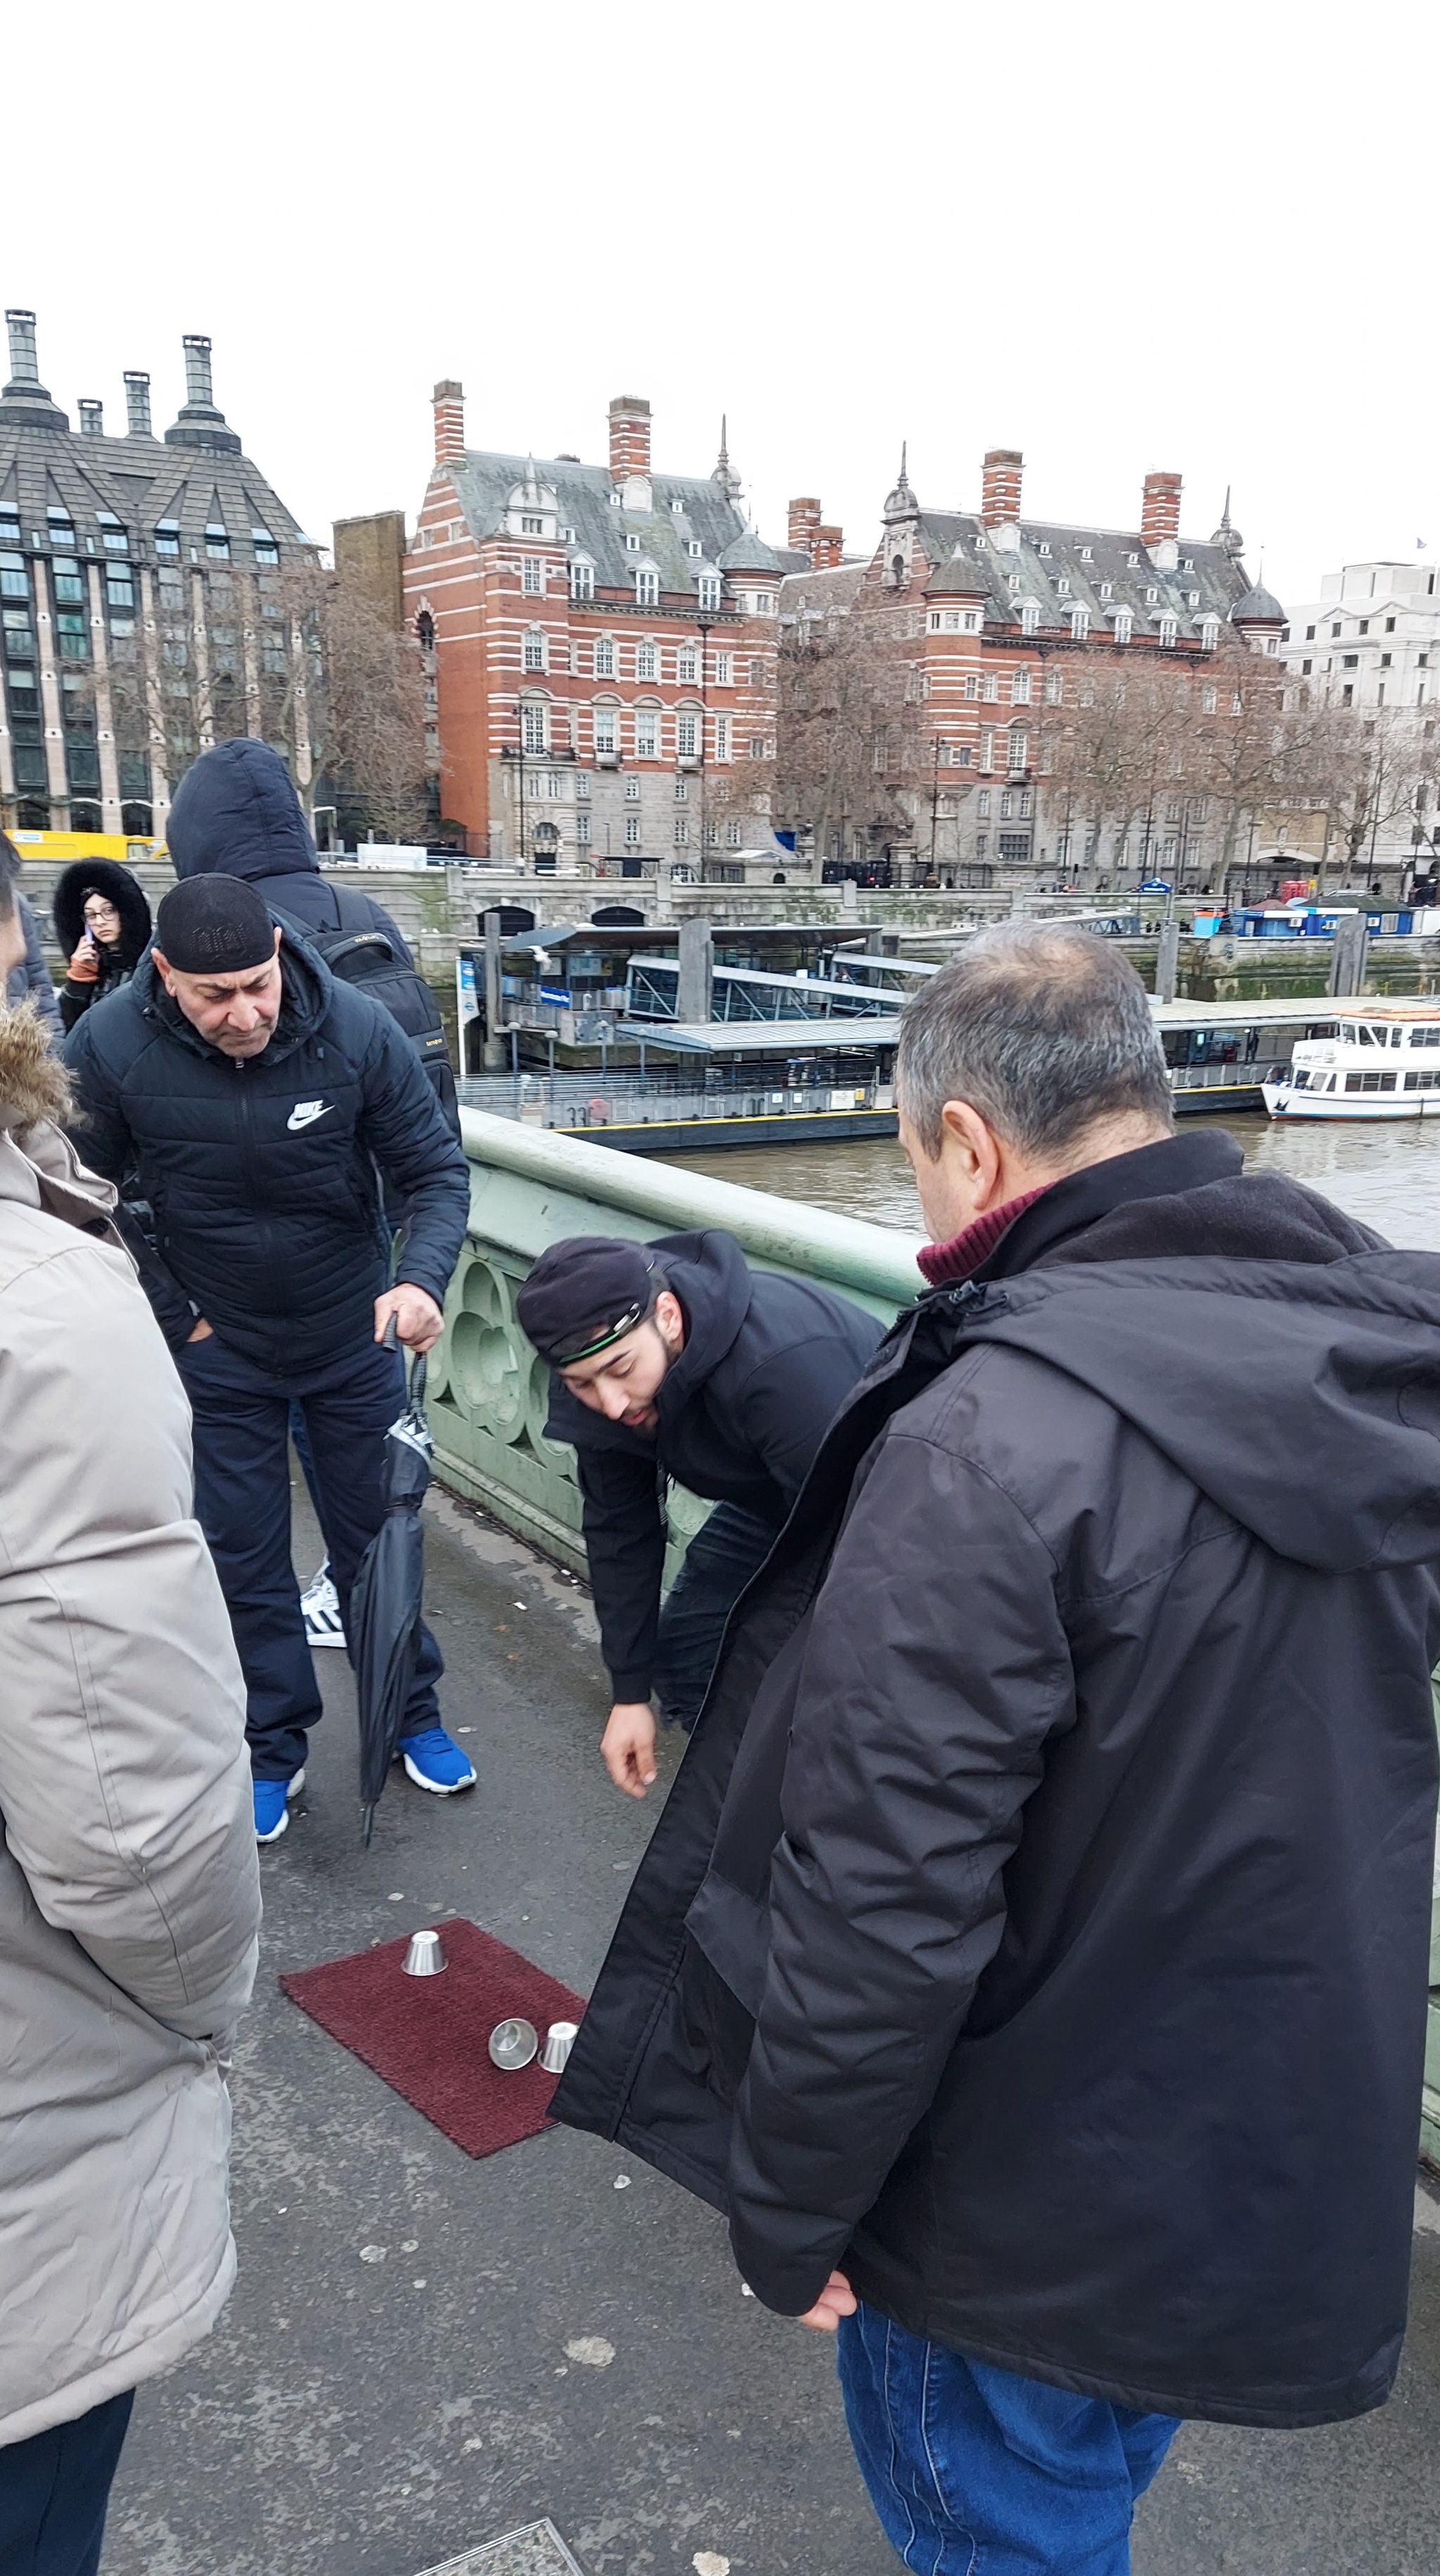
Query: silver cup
{"points": [[513, 2045], [559, 2040], [424, 1958]]}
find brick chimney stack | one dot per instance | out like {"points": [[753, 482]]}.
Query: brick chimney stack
{"points": [[803, 529], [829, 549], [629, 437], [449, 400], [1160, 512], [1000, 490]]}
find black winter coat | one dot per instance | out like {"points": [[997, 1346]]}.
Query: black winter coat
{"points": [[767, 1363], [260, 1177], [115, 965], [1038, 1927]]}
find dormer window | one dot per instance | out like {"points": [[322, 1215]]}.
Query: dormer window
{"points": [[1079, 624], [693, 546], [632, 542], [1187, 564], [1194, 598], [1107, 590], [1151, 593], [217, 543], [167, 537], [1132, 559], [1062, 587], [647, 587], [1169, 629], [1087, 554], [709, 590], [266, 550], [1124, 625], [679, 509], [582, 578], [1013, 580], [1043, 547], [1029, 621], [1209, 634]]}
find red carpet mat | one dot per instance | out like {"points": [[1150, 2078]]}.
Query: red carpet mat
{"points": [[428, 2037]]}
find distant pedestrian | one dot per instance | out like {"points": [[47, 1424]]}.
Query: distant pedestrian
{"points": [[27, 976], [257, 1106], [129, 1897], [102, 921], [674, 1359], [1033, 1960]]}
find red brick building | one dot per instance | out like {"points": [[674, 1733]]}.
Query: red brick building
{"points": [[1001, 614], [601, 645]]}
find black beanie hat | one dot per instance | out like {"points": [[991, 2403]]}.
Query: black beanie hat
{"points": [[585, 1293], [214, 926]]}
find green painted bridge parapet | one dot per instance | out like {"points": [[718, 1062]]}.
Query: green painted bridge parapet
{"points": [[488, 1391]]}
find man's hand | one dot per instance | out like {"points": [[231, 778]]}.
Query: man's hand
{"points": [[418, 1320], [836, 2300], [200, 1332], [628, 1746]]}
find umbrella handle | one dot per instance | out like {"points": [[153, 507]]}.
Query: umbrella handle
{"points": [[390, 1338]]}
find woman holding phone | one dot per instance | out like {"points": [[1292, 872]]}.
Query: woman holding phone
{"points": [[102, 920]]}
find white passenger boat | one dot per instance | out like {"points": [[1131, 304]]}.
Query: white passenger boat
{"points": [[1382, 1062]]}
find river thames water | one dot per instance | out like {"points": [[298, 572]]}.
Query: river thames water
{"points": [[1388, 1176]]}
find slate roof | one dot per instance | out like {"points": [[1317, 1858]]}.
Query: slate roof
{"points": [[1257, 605], [811, 592], [139, 481], [599, 525], [968, 565]]}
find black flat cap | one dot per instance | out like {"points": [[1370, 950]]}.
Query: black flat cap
{"points": [[584, 1294]]}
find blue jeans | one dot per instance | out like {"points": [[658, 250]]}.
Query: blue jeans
{"points": [[975, 2472], [718, 1563], [242, 1502], [54, 2489]]}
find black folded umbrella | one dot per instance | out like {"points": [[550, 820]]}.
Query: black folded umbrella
{"points": [[385, 1605]]}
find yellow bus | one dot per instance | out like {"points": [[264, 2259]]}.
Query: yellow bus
{"points": [[86, 845]]}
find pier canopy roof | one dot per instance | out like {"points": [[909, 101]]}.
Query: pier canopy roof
{"points": [[779, 1038]]}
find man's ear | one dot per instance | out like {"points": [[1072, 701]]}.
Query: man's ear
{"points": [[166, 969], [278, 937], [670, 1316]]}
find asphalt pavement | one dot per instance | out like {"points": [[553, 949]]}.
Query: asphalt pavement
{"points": [[423, 2353]]}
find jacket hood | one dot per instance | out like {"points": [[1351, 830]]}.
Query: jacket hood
{"points": [[1285, 1359], [107, 877], [710, 1276], [236, 814], [39, 1167]]}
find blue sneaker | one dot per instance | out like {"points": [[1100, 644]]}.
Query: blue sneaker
{"points": [[432, 1761], [272, 1805]]}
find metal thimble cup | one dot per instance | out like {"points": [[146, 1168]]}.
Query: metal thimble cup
{"points": [[513, 2044], [424, 1958], [559, 2040]]}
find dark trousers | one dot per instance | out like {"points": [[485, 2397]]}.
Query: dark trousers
{"points": [[54, 2490], [242, 1502], [718, 1564], [970, 2467]]}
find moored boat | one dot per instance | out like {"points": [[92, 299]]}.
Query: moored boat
{"points": [[1382, 1062]]}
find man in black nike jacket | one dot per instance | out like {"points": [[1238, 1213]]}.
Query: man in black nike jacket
{"points": [[255, 1105], [1032, 1957]]}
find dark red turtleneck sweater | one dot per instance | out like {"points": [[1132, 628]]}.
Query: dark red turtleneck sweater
{"points": [[944, 1265]]}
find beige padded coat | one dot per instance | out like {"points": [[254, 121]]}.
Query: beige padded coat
{"points": [[129, 1895]]}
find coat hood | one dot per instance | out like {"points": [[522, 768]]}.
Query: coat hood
{"points": [[1283, 1358], [236, 814], [710, 1276], [107, 877], [39, 1167]]}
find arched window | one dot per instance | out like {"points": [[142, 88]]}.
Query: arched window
{"points": [[534, 648], [1018, 748], [534, 725], [425, 631]]}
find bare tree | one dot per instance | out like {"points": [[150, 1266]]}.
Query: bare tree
{"points": [[853, 746], [375, 702]]}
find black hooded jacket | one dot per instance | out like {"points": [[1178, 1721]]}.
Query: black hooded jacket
{"points": [[236, 814], [767, 1362], [114, 965], [1038, 1927], [264, 1211]]}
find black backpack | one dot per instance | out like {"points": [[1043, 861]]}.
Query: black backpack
{"points": [[358, 951]]}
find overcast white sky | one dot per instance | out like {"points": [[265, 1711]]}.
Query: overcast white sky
{"points": [[1114, 236]]}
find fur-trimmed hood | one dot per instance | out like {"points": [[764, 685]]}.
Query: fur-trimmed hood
{"points": [[120, 887], [39, 1167]]}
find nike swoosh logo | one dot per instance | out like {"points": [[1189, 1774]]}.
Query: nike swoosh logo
{"points": [[305, 1113]]}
